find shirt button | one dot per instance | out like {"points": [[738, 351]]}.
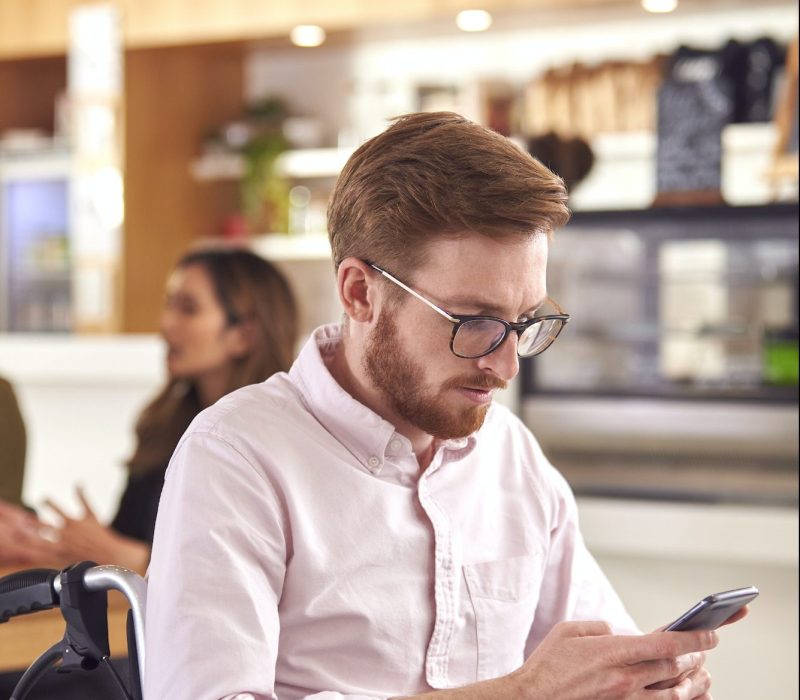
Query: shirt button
{"points": [[395, 445], [374, 462]]}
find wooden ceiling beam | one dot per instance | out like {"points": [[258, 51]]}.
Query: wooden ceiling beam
{"points": [[31, 28]]}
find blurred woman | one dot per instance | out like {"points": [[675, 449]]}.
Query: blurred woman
{"points": [[230, 320], [14, 441]]}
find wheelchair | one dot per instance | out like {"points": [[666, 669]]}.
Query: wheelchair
{"points": [[81, 592]]}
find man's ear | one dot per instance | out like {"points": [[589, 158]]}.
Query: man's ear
{"points": [[356, 283]]}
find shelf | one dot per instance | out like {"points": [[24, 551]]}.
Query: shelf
{"points": [[26, 274], [728, 218], [297, 164], [286, 247], [217, 166], [313, 162]]}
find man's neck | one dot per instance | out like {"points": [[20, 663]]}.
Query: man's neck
{"points": [[345, 368]]}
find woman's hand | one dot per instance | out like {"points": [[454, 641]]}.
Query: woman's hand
{"points": [[21, 541], [86, 537]]}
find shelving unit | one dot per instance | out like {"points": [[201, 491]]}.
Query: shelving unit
{"points": [[296, 164], [294, 248], [623, 176]]}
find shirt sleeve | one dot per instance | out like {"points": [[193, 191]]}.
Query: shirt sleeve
{"points": [[215, 578], [327, 695], [574, 586]]}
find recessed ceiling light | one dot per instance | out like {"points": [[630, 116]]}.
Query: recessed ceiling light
{"points": [[307, 35], [659, 6], [473, 20]]}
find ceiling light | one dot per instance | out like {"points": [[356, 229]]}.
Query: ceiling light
{"points": [[659, 5], [473, 20], [307, 35]]}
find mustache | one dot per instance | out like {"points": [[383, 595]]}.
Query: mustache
{"points": [[477, 381]]}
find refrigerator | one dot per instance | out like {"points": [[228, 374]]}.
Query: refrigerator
{"points": [[35, 262]]}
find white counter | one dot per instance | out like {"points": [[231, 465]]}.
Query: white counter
{"points": [[663, 557], [80, 396]]}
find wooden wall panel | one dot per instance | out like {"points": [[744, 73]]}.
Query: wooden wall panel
{"points": [[173, 98], [28, 90]]}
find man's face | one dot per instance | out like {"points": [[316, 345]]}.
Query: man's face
{"points": [[407, 356]]}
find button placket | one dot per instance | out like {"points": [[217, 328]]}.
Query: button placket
{"points": [[444, 595]]}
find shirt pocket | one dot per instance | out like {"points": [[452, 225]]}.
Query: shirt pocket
{"points": [[504, 594]]}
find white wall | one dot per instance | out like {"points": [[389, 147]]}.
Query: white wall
{"points": [[80, 397]]}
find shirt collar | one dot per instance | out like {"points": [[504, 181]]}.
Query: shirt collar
{"points": [[366, 435]]}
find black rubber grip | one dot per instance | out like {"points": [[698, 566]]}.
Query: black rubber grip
{"points": [[26, 592]]}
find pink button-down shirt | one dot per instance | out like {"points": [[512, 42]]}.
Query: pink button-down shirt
{"points": [[300, 553]]}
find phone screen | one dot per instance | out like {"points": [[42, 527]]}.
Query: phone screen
{"points": [[713, 610]]}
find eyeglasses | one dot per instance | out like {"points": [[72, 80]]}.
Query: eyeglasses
{"points": [[476, 336]]}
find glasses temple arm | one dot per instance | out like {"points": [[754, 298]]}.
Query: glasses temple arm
{"points": [[413, 293]]}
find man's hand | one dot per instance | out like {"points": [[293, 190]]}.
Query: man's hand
{"points": [[738, 615], [584, 661]]}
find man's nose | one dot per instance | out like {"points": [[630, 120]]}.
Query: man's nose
{"points": [[503, 361]]}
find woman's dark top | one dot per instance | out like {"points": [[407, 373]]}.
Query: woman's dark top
{"points": [[136, 516]]}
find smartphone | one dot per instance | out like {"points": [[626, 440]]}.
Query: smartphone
{"points": [[713, 610]]}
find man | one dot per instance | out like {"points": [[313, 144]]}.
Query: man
{"points": [[371, 525]]}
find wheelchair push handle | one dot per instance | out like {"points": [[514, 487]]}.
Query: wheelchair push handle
{"points": [[28, 591]]}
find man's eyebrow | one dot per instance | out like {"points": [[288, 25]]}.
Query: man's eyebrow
{"points": [[484, 308]]}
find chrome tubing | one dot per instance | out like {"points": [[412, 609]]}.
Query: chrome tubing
{"points": [[134, 588]]}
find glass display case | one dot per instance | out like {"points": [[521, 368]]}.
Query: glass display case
{"points": [[675, 303], [677, 375]]}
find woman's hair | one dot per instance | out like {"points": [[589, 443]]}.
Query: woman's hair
{"points": [[250, 290], [433, 174]]}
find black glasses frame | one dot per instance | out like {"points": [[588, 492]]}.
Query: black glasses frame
{"points": [[458, 320]]}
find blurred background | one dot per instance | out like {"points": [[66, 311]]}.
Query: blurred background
{"points": [[130, 130]]}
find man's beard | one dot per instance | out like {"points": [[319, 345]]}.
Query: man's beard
{"points": [[391, 370]]}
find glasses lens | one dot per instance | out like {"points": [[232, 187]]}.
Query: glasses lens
{"points": [[478, 337], [538, 337]]}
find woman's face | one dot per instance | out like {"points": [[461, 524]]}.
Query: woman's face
{"points": [[199, 340]]}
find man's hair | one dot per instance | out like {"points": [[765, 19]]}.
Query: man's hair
{"points": [[433, 174]]}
